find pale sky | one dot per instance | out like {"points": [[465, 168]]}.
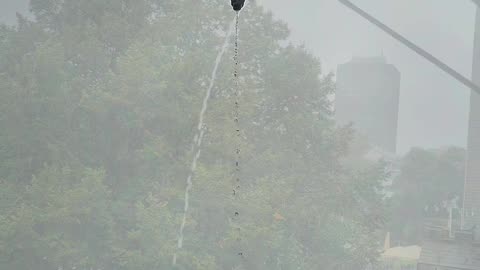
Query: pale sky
{"points": [[8, 8], [433, 107]]}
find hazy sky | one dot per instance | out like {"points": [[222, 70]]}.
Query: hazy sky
{"points": [[8, 8], [433, 107]]}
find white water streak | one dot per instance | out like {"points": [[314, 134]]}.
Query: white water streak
{"points": [[197, 141]]}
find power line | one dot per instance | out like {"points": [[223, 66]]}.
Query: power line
{"points": [[459, 77]]}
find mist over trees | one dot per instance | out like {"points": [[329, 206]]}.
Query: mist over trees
{"points": [[99, 103], [430, 181]]}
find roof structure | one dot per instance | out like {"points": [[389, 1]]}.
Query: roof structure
{"points": [[450, 254], [406, 253]]}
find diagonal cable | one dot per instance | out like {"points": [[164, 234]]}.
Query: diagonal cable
{"points": [[432, 59]]}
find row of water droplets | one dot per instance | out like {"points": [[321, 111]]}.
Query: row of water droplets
{"points": [[236, 119], [197, 141]]}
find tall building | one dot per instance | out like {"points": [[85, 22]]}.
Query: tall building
{"points": [[368, 97]]}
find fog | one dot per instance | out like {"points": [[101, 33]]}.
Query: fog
{"points": [[445, 28], [167, 134]]}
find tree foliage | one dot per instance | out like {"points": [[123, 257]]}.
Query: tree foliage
{"points": [[429, 181], [99, 102]]}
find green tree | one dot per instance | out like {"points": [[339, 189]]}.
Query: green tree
{"points": [[428, 179], [61, 219], [99, 102]]}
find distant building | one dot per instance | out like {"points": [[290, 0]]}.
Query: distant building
{"points": [[368, 97]]}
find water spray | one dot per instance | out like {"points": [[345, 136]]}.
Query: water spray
{"points": [[197, 140]]}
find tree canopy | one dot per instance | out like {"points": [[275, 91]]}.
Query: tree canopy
{"points": [[430, 181], [99, 103]]}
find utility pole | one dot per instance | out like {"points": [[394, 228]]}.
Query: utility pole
{"points": [[471, 198]]}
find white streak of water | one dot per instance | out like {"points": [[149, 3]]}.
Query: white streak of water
{"points": [[197, 141]]}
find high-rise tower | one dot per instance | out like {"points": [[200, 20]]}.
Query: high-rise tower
{"points": [[368, 96]]}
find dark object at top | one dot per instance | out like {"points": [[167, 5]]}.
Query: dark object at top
{"points": [[237, 4]]}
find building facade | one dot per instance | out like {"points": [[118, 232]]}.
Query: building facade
{"points": [[367, 96]]}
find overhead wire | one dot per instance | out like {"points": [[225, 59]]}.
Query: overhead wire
{"points": [[432, 59]]}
